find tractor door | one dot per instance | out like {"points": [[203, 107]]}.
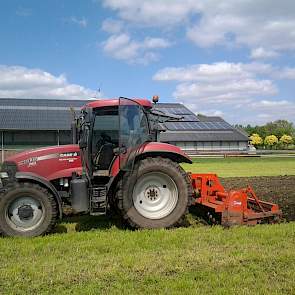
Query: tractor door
{"points": [[133, 131]]}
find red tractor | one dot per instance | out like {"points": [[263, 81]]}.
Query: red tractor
{"points": [[117, 165]]}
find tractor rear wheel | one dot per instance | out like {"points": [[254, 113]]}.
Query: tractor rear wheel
{"points": [[156, 194], [26, 210]]}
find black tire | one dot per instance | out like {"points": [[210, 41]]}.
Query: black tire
{"points": [[47, 210], [142, 169]]}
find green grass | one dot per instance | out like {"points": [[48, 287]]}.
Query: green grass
{"points": [[237, 167], [90, 255], [195, 260]]}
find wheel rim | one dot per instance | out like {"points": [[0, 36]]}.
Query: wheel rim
{"points": [[25, 213], [155, 195]]}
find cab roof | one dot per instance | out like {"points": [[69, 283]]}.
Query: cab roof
{"points": [[115, 102]]}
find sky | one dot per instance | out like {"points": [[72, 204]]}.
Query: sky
{"points": [[233, 58]]}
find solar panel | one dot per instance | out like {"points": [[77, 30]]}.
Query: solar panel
{"points": [[190, 118], [179, 125], [212, 125], [224, 125], [176, 111], [180, 111]]}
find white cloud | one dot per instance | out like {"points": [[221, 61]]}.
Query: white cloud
{"points": [[262, 53], [204, 72], [270, 110], [153, 43], [225, 92], [222, 82], [233, 90], [153, 12], [122, 47], [112, 26], [211, 112], [81, 22], [256, 24], [22, 82], [261, 111], [222, 71], [264, 116], [285, 74], [271, 103]]}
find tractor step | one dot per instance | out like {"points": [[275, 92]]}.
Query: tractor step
{"points": [[234, 207], [98, 200]]}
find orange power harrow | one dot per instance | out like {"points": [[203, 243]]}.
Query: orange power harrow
{"points": [[234, 207]]}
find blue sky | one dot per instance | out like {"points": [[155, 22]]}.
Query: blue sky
{"points": [[228, 58]]}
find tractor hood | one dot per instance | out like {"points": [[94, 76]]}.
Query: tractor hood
{"points": [[50, 162], [61, 161]]}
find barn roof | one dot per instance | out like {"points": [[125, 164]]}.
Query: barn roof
{"points": [[45, 114]]}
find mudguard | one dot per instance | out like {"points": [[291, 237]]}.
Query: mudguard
{"points": [[164, 149], [22, 176], [154, 149]]}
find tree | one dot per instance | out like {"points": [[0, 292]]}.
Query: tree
{"points": [[256, 139], [271, 140], [286, 140], [279, 128]]}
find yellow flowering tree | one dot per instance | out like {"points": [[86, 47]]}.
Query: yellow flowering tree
{"points": [[271, 140], [256, 139], [286, 140]]}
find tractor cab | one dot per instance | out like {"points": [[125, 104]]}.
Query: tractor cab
{"points": [[113, 135], [112, 130]]}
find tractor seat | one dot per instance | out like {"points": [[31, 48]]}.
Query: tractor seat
{"points": [[103, 158]]}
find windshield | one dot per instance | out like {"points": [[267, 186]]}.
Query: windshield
{"points": [[134, 131]]}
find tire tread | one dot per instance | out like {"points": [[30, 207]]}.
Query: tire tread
{"points": [[145, 163], [30, 185]]}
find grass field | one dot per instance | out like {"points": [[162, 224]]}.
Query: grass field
{"points": [[195, 260], [237, 167], [92, 255]]}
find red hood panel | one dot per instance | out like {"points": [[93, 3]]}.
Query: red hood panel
{"points": [[49, 162], [61, 161]]}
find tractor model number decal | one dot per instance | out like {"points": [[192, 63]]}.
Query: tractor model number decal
{"points": [[29, 162]]}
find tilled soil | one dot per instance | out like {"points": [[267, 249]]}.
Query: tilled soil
{"points": [[276, 189]]}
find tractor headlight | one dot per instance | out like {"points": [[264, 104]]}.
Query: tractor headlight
{"points": [[4, 175]]}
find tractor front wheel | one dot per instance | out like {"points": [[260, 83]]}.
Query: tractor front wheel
{"points": [[156, 194], [26, 210]]}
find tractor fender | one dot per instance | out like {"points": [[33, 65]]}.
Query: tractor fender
{"points": [[161, 149], [23, 176], [155, 149]]}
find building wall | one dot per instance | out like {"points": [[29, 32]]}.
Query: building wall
{"points": [[212, 145], [35, 138], [15, 141], [39, 138]]}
